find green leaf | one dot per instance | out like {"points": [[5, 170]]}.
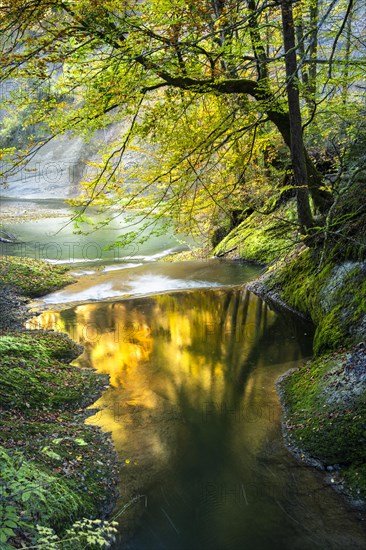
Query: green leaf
{"points": [[11, 524], [51, 454], [81, 442], [5, 533]]}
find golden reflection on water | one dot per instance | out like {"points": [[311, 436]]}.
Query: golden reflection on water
{"points": [[188, 371], [168, 352]]}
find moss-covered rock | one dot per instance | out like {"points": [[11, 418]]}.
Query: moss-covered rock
{"points": [[39, 344], [32, 377], [355, 478], [332, 295], [43, 384], [325, 404], [32, 277], [262, 237]]}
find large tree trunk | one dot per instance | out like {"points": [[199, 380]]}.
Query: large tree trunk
{"points": [[322, 199], [297, 145]]}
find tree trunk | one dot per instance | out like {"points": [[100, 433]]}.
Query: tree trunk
{"points": [[297, 145], [313, 50]]}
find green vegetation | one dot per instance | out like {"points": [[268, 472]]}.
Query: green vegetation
{"points": [[263, 153], [54, 469], [32, 277], [28, 495], [28, 492], [85, 533], [262, 237], [40, 345], [325, 404], [43, 438], [31, 376], [333, 295]]}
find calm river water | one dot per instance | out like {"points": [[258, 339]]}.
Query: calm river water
{"points": [[193, 411]]}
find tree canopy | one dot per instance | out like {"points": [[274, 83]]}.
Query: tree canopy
{"points": [[199, 90]]}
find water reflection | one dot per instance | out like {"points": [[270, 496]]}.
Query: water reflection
{"points": [[195, 419], [196, 347]]}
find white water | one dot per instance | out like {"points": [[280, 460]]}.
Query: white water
{"points": [[149, 278]]}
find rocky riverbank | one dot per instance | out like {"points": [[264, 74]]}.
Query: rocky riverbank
{"points": [[55, 469], [13, 211], [324, 402], [324, 413]]}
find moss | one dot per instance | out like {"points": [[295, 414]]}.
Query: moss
{"points": [[333, 296], [355, 478], [39, 344], [299, 282], [329, 334], [186, 255], [42, 384], [262, 238], [340, 326], [333, 437], [326, 416], [32, 277], [32, 378]]}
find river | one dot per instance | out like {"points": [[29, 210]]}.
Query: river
{"points": [[192, 408]]}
